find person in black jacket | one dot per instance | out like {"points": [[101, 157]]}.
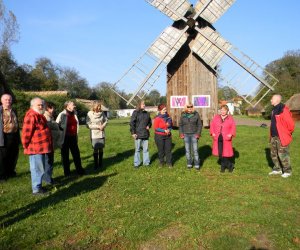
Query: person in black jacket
{"points": [[140, 124], [190, 127]]}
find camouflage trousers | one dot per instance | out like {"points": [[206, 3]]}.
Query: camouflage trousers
{"points": [[280, 156]]}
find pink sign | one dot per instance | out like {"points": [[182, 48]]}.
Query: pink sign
{"points": [[178, 101]]}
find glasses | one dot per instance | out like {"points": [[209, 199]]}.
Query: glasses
{"points": [[189, 107]]}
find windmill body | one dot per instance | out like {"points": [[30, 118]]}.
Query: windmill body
{"points": [[195, 56]]}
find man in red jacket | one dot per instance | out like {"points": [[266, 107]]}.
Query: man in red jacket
{"points": [[282, 127], [37, 143]]}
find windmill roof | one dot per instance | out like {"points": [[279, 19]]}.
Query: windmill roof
{"points": [[294, 102]]}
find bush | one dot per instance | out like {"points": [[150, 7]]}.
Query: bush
{"points": [[23, 104]]}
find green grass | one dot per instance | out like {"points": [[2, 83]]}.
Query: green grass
{"points": [[157, 208]]}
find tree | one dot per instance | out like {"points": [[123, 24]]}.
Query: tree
{"points": [[153, 98], [71, 81], [46, 74], [226, 93], [9, 28], [287, 71], [108, 97]]}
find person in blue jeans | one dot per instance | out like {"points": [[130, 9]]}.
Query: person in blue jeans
{"points": [[140, 124], [190, 127]]}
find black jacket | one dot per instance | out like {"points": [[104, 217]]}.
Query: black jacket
{"points": [[140, 119], [192, 125]]}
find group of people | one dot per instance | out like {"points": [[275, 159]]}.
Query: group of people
{"points": [[42, 134], [222, 131]]}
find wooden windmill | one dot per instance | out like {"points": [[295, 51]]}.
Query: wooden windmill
{"points": [[195, 56]]}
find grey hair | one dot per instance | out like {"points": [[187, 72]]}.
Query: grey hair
{"points": [[67, 103], [33, 100]]}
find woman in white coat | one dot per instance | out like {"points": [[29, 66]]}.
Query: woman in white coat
{"points": [[96, 121]]}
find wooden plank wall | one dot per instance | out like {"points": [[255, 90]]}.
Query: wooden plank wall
{"points": [[189, 75]]}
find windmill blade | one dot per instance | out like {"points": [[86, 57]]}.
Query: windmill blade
{"points": [[166, 44], [236, 69], [214, 10], [179, 7], [207, 50], [145, 72]]}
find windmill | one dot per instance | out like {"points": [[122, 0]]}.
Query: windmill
{"points": [[195, 56]]}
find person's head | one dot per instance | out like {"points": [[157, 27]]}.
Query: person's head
{"points": [[189, 108], [6, 101], [141, 105], [162, 108], [224, 110], [97, 107], [49, 106], [69, 106], [38, 105], [276, 99]]}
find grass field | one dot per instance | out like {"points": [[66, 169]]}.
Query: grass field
{"points": [[119, 207]]}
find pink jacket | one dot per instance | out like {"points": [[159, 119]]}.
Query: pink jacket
{"points": [[226, 128]]}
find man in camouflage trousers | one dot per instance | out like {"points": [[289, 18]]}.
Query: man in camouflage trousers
{"points": [[282, 127]]}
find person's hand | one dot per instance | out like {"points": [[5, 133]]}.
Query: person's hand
{"points": [[229, 135], [134, 136], [147, 127], [197, 136], [167, 131], [213, 135], [181, 136]]}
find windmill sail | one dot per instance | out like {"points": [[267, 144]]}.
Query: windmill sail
{"points": [[180, 7], [145, 72], [236, 69], [214, 10]]}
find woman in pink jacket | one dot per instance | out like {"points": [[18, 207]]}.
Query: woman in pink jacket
{"points": [[222, 130]]}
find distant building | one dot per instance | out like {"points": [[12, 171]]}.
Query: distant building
{"points": [[128, 112], [294, 105], [258, 110]]}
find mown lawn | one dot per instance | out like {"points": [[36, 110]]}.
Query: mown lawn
{"points": [[119, 207]]}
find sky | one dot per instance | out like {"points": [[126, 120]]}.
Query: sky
{"points": [[102, 39]]}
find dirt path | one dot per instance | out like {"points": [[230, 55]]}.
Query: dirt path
{"points": [[254, 122]]}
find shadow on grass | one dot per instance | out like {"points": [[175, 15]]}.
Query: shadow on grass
{"points": [[119, 157], [75, 189], [268, 157]]}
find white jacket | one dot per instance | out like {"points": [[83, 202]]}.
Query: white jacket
{"points": [[96, 122]]}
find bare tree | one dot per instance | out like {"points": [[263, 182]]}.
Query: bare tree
{"points": [[9, 33]]}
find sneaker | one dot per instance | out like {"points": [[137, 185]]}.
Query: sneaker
{"points": [[197, 168], [286, 175], [189, 166], [275, 172], [41, 191]]}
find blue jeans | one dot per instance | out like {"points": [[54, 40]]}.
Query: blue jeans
{"points": [[41, 169], [191, 143], [141, 143]]}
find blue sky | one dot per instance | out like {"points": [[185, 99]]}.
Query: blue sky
{"points": [[101, 39]]}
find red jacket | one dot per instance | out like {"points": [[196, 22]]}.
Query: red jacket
{"points": [[227, 127], [36, 135], [160, 125], [285, 126]]}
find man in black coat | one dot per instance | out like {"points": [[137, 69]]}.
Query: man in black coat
{"points": [[140, 124]]}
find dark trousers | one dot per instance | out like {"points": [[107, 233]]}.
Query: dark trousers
{"points": [[9, 155], [164, 146], [70, 143], [225, 161]]}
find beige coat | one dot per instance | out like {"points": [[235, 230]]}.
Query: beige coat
{"points": [[96, 122]]}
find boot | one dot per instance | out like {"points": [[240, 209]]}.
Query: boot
{"points": [[100, 159], [96, 162]]}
